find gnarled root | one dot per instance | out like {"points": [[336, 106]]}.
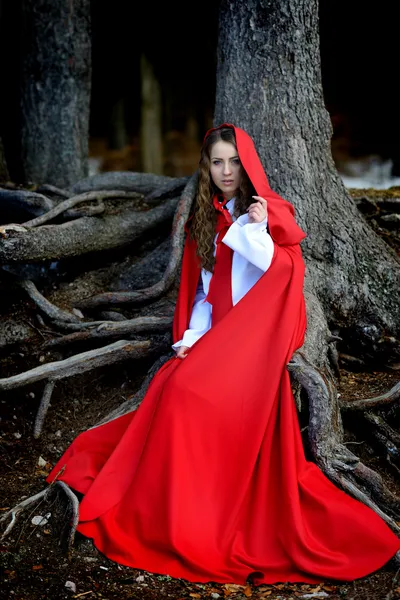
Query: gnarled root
{"points": [[73, 504], [325, 431], [80, 363], [155, 291]]}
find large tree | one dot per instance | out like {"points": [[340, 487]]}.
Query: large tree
{"points": [[47, 138], [269, 83]]}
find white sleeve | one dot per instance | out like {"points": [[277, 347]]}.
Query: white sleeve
{"points": [[200, 320], [251, 240]]}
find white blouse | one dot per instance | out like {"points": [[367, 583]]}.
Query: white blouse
{"points": [[253, 250]]}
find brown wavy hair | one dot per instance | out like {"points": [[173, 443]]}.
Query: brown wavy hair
{"points": [[204, 216]]}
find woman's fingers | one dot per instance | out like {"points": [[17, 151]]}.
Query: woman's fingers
{"points": [[257, 210], [261, 200], [182, 352]]}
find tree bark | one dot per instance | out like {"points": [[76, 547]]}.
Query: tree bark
{"points": [[151, 130], [4, 175], [82, 236], [279, 101], [55, 90]]}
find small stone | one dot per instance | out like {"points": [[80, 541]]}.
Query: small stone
{"points": [[41, 519], [41, 462], [215, 595], [140, 578], [70, 585], [17, 435]]}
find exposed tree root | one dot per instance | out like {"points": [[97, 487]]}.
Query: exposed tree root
{"points": [[109, 330], [46, 307], [14, 513], [348, 486], [81, 236], [79, 363], [155, 291], [325, 433], [43, 408], [79, 326], [368, 403], [46, 188], [74, 506], [149, 184], [24, 202], [71, 202]]}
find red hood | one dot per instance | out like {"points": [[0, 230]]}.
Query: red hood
{"points": [[282, 225]]}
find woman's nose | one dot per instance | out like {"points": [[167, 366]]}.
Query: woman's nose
{"points": [[227, 167]]}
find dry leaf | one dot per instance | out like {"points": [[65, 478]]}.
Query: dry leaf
{"points": [[37, 567], [248, 591], [195, 595], [265, 594], [10, 574]]}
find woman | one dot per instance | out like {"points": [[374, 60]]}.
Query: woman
{"points": [[207, 479]]}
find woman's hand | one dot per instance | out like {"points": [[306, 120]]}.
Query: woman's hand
{"points": [[258, 210], [182, 352]]}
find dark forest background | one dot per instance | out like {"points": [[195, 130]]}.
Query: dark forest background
{"points": [[359, 55]]}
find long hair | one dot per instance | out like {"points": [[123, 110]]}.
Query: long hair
{"points": [[203, 222]]}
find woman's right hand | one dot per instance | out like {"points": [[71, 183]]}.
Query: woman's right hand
{"points": [[182, 352]]}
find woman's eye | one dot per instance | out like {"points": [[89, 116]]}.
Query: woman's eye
{"points": [[236, 161], [216, 162]]}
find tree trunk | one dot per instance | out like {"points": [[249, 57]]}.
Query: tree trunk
{"points": [[55, 91], [279, 101], [150, 134], [4, 176]]}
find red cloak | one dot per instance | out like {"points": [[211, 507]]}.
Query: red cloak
{"points": [[207, 479]]}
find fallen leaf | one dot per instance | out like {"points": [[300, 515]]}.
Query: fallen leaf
{"points": [[37, 567], [265, 594], [195, 595], [11, 574], [248, 591]]}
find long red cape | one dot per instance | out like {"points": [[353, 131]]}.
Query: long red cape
{"points": [[207, 479]]}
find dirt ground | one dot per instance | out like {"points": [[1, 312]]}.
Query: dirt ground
{"points": [[35, 563]]}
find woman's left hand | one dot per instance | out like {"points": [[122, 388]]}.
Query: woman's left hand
{"points": [[258, 210]]}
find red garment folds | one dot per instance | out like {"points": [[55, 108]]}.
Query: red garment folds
{"points": [[207, 480], [220, 292]]}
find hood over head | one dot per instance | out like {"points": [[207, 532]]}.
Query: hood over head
{"points": [[281, 222]]}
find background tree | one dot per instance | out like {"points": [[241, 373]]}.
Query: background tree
{"points": [[46, 139]]}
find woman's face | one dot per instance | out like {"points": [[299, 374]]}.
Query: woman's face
{"points": [[225, 168]]}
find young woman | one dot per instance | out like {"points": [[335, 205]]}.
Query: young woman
{"points": [[207, 479]]}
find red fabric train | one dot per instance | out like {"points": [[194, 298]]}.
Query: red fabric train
{"points": [[207, 480]]}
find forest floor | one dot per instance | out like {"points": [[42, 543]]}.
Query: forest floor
{"points": [[35, 565]]}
